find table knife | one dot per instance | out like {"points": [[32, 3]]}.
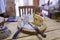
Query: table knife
{"points": [[37, 30], [17, 32]]}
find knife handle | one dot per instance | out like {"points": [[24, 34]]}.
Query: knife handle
{"points": [[17, 32], [40, 32]]}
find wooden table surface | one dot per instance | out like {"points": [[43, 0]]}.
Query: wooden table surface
{"points": [[52, 32]]}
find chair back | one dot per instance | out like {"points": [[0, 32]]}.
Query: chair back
{"points": [[24, 10]]}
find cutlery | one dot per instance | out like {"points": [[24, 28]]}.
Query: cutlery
{"points": [[17, 32], [37, 30]]}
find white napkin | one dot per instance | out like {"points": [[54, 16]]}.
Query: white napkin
{"points": [[27, 26]]}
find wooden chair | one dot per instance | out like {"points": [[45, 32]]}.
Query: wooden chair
{"points": [[27, 10]]}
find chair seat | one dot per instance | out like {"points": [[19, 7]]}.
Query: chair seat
{"points": [[12, 19]]}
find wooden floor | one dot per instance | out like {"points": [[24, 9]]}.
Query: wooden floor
{"points": [[52, 32]]}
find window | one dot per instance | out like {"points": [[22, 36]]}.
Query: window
{"points": [[41, 2], [46, 1], [22, 3], [27, 2], [2, 6]]}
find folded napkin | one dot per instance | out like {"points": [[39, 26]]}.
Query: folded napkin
{"points": [[26, 26]]}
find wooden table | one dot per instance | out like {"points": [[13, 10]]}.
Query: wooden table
{"points": [[52, 32]]}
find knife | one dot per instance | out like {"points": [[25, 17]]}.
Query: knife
{"points": [[17, 32], [37, 30]]}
